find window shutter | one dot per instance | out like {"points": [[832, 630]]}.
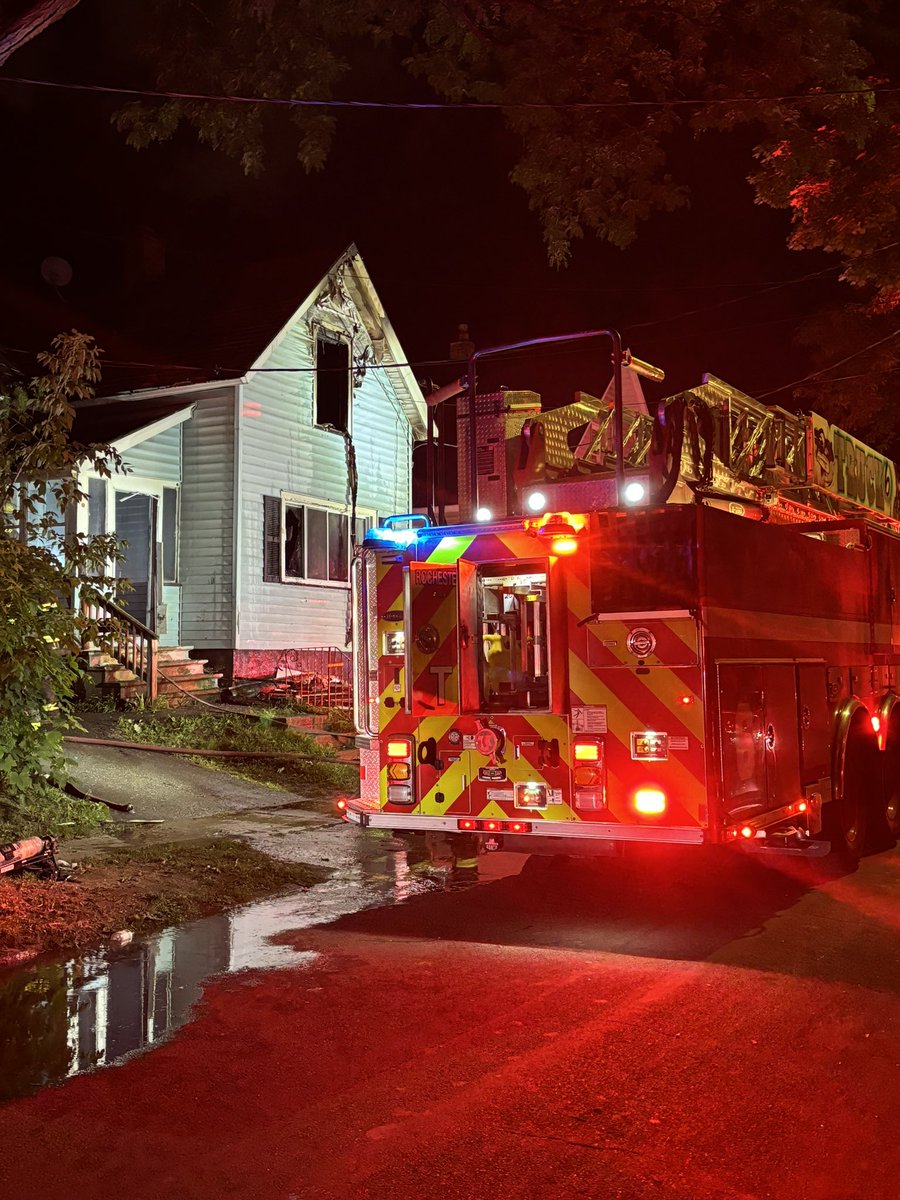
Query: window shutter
{"points": [[271, 539]]}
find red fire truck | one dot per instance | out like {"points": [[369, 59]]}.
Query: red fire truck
{"points": [[667, 627]]}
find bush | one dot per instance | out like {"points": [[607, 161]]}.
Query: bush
{"points": [[46, 569]]}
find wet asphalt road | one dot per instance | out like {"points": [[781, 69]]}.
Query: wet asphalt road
{"points": [[657, 1028]]}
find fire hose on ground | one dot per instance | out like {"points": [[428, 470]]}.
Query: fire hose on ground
{"points": [[342, 756]]}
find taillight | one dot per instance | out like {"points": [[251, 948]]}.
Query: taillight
{"points": [[493, 826], [650, 802], [586, 776], [399, 753], [586, 751], [589, 791]]}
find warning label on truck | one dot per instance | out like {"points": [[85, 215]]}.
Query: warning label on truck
{"points": [[589, 718]]}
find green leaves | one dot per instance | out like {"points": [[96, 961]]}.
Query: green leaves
{"points": [[43, 563], [825, 145]]}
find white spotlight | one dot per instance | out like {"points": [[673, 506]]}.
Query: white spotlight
{"points": [[634, 492], [537, 502], [483, 514]]}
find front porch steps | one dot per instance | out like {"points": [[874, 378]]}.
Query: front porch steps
{"points": [[180, 678]]}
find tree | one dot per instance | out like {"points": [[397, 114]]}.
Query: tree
{"points": [[17, 30], [44, 565], [829, 155]]}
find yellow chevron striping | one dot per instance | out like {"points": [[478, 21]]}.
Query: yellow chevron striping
{"points": [[622, 721]]}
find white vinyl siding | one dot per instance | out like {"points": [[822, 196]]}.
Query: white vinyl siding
{"points": [[206, 558], [159, 457], [282, 452]]}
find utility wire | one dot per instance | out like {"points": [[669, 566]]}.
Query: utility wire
{"points": [[414, 105], [830, 367]]}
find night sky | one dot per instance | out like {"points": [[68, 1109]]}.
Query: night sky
{"points": [[425, 197]]}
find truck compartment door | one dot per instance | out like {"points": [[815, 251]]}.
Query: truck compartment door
{"points": [[760, 748]]}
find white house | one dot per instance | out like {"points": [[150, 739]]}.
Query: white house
{"points": [[244, 495]]}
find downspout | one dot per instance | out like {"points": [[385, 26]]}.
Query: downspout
{"points": [[237, 532]]}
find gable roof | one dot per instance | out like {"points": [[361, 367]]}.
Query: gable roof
{"points": [[378, 327], [223, 326]]}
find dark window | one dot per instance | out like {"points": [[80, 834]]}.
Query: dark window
{"points": [[315, 542], [170, 534], [317, 539], [96, 507], [332, 383]]}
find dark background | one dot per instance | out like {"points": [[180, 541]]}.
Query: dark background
{"points": [[159, 240]]}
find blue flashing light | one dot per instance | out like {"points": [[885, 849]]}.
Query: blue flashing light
{"points": [[394, 537]]}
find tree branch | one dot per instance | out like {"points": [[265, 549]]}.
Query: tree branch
{"points": [[35, 20]]}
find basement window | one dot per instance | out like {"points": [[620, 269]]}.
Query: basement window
{"points": [[332, 391]]}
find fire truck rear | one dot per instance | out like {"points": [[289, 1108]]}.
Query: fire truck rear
{"points": [[672, 628]]}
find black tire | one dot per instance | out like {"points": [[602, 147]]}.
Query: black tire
{"points": [[847, 817]]}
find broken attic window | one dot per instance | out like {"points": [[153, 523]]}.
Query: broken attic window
{"points": [[332, 399]]}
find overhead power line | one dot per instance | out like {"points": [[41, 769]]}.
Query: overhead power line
{"points": [[449, 105], [831, 366]]}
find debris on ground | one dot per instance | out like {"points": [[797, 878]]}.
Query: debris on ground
{"points": [[34, 854]]}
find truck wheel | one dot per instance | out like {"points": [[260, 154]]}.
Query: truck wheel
{"points": [[847, 825]]}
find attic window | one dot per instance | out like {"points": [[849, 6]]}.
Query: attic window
{"points": [[332, 382]]}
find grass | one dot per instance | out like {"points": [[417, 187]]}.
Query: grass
{"points": [[228, 870], [48, 810], [214, 731], [142, 889]]}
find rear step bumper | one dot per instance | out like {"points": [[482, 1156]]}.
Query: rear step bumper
{"points": [[588, 831]]}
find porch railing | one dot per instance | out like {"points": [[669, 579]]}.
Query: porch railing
{"points": [[125, 638]]}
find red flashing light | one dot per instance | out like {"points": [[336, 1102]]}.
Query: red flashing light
{"points": [[341, 805], [650, 802], [491, 826], [747, 831], [802, 806], [518, 827], [876, 722], [464, 824], [686, 700], [399, 750], [564, 545]]}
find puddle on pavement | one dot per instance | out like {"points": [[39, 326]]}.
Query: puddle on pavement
{"points": [[66, 1017]]}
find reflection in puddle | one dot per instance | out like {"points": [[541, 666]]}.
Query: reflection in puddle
{"points": [[65, 1018]]}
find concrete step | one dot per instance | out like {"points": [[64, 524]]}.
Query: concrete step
{"points": [[182, 670], [167, 654], [119, 674]]}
